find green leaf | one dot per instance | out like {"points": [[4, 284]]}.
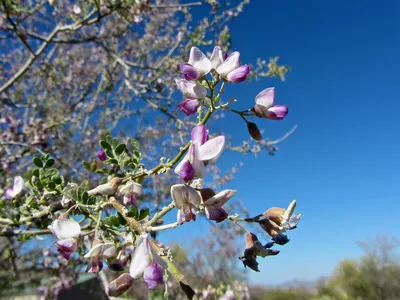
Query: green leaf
{"points": [[49, 163], [38, 184], [120, 148], [101, 171], [52, 172], [93, 166], [57, 179], [121, 219], [143, 213], [3, 203], [112, 161], [109, 139], [133, 212], [35, 172], [37, 162], [105, 145], [85, 197], [109, 153], [51, 185]]}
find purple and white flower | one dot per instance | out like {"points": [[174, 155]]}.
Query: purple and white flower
{"points": [[197, 66], [146, 263], [213, 203], [67, 232], [97, 253], [265, 106], [202, 150], [230, 69], [186, 199]]}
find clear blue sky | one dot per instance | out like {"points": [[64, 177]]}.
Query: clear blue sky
{"points": [[341, 163]]}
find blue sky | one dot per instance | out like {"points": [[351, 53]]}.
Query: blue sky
{"points": [[341, 163]]}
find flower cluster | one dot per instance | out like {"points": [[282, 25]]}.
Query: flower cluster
{"points": [[198, 67]]}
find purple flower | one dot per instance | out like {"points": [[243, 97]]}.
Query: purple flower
{"points": [[239, 74], [199, 61], [102, 155], [201, 151], [213, 205], [9, 193], [153, 275], [191, 89], [95, 265], [147, 263], [186, 199], [189, 106], [130, 191], [189, 72], [67, 232], [66, 247], [97, 253], [229, 64], [265, 106]]}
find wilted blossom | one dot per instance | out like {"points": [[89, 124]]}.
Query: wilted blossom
{"points": [[265, 106], [186, 199], [130, 191], [67, 232], [277, 220], [147, 263], [107, 189], [254, 248], [102, 155], [230, 69], [213, 203], [201, 151], [18, 189], [119, 285], [97, 253]]}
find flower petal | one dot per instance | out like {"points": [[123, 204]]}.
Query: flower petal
{"points": [[277, 112], [191, 89], [141, 258], [65, 228], [153, 276], [212, 148], [9, 193], [189, 72], [221, 198], [187, 172], [266, 98], [239, 74], [178, 168], [95, 265], [19, 186], [199, 134], [216, 57], [215, 213], [189, 106], [101, 155], [197, 163], [183, 194], [289, 211], [131, 187], [198, 60], [67, 245], [230, 64]]}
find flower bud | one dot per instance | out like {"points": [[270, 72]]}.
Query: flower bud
{"points": [[101, 155], [120, 285], [254, 131], [239, 74]]}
